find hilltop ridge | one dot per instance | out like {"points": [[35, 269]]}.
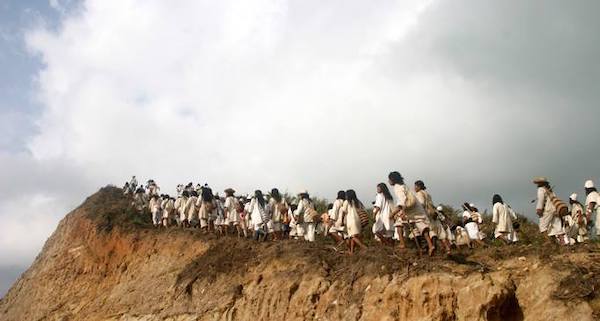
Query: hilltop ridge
{"points": [[106, 262]]}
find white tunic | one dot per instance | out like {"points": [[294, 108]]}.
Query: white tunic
{"points": [[231, 209], [594, 197], [549, 222], [256, 214], [473, 226], [416, 214], [503, 216], [336, 216], [384, 222], [190, 208], [352, 220]]}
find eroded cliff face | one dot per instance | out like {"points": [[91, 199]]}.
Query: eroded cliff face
{"points": [[89, 272]]}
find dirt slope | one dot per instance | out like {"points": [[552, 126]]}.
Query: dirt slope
{"points": [[103, 264]]}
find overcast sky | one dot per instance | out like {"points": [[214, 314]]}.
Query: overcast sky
{"points": [[473, 97]]}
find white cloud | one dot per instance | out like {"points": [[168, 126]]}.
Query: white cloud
{"points": [[310, 94]]}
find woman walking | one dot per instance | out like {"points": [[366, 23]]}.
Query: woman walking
{"points": [[352, 220]]}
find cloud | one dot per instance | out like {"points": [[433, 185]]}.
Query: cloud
{"points": [[473, 98]]}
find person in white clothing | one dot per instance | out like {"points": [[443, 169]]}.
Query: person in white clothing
{"points": [[448, 236], [550, 224], [305, 213], [471, 220], [410, 212], [231, 210], [259, 216], [206, 207], [156, 210], [576, 222], [191, 210], [336, 231], [436, 230], [383, 227], [352, 220], [133, 183], [168, 207], [503, 217], [592, 204], [180, 208], [278, 207]]}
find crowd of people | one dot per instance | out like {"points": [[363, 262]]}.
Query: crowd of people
{"points": [[399, 214]]}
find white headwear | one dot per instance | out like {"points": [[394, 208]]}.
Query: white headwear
{"points": [[439, 208], [573, 197], [589, 184], [472, 205], [303, 192]]}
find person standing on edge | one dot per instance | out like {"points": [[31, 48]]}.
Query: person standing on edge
{"points": [[382, 210], [353, 227], [576, 222], [592, 203], [410, 210], [258, 216], [503, 216], [306, 209], [549, 224], [278, 207]]}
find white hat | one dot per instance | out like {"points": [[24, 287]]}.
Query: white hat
{"points": [[589, 184], [573, 197], [439, 208], [303, 192], [472, 205]]}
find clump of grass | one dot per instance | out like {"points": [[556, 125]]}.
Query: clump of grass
{"points": [[109, 208]]}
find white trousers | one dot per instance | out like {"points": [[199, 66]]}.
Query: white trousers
{"points": [[309, 234]]}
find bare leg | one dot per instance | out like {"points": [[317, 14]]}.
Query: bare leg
{"points": [[358, 241], [400, 231], [429, 242]]}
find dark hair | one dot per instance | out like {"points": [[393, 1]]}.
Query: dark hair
{"points": [[185, 194], [329, 206], [497, 199], [293, 207], [353, 199], [420, 185], [305, 196], [385, 191], [194, 194], [260, 198], [341, 195], [589, 190], [207, 195], [276, 195], [396, 178]]}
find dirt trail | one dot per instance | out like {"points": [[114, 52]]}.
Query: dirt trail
{"points": [[99, 265]]}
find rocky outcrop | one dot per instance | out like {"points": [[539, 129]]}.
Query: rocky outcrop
{"points": [[89, 273]]}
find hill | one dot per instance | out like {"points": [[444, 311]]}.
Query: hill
{"points": [[104, 262]]}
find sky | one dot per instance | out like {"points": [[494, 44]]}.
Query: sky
{"points": [[473, 97]]}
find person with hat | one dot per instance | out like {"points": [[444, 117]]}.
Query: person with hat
{"points": [[592, 204], [549, 224], [305, 211], [575, 223], [231, 211], [168, 207], [133, 183], [503, 217], [278, 208]]}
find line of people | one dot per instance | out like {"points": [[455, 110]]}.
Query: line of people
{"points": [[399, 215]]}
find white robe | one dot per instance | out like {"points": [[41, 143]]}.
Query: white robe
{"points": [[503, 216], [594, 197], [384, 223], [415, 215], [231, 209], [473, 226], [549, 222], [351, 219]]}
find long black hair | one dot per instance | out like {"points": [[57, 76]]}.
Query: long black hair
{"points": [[207, 195], [420, 185], [385, 191], [497, 199], [396, 178], [353, 199], [259, 198], [276, 195], [305, 196], [341, 195], [589, 190]]}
